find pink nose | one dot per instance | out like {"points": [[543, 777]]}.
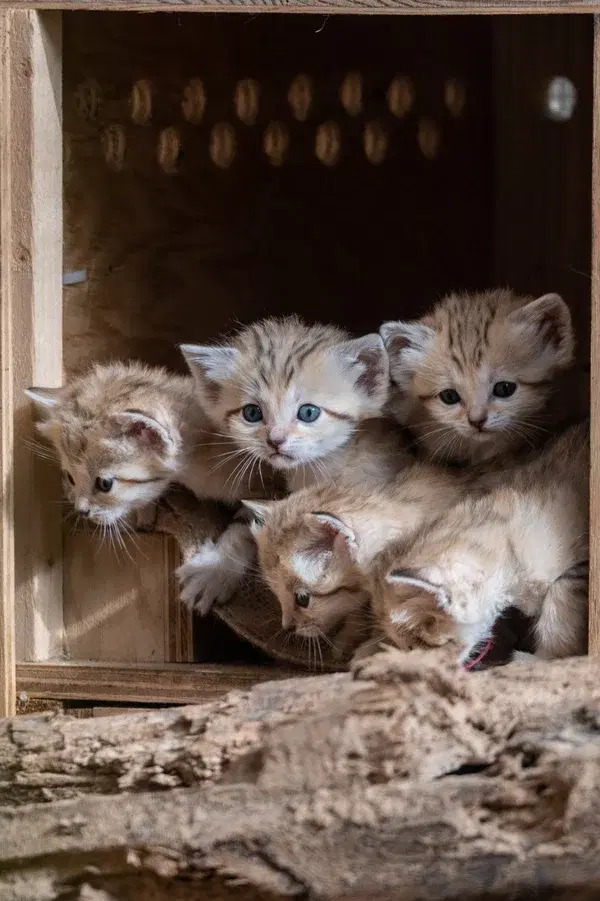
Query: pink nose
{"points": [[478, 422], [275, 442]]}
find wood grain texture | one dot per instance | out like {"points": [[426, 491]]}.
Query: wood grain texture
{"points": [[539, 203], [594, 618], [384, 7], [116, 600], [138, 682], [31, 228], [174, 258], [408, 779]]}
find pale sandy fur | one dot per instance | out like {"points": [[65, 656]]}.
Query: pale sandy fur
{"points": [[469, 343], [323, 540], [522, 544], [279, 365], [144, 428]]}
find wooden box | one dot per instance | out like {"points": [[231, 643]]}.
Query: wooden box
{"points": [[166, 176]]}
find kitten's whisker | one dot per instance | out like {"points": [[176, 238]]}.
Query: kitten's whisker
{"points": [[230, 455], [234, 471], [318, 643], [243, 471]]}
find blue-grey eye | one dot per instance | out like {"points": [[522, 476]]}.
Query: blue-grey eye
{"points": [[449, 396], [504, 389], [309, 413], [252, 413], [104, 485], [302, 599]]}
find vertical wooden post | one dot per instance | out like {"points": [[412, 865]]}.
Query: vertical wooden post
{"points": [[594, 632], [31, 335]]}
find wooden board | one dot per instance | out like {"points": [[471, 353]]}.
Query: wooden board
{"points": [[543, 191], [404, 7], [189, 255], [140, 683], [594, 627], [31, 325], [120, 603]]}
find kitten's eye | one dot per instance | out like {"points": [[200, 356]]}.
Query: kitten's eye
{"points": [[104, 485], [504, 389], [252, 413], [449, 396], [309, 413], [302, 599], [69, 477]]}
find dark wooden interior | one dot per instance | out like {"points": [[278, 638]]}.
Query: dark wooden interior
{"points": [[502, 194]]}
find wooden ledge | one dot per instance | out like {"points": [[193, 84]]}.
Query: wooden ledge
{"points": [[328, 7], [140, 683]]}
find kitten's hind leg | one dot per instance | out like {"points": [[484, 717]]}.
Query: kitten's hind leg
{"points": [[216, 571], [561, 630]]}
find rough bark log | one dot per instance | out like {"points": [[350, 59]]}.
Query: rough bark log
{"points": [[407, 779]]}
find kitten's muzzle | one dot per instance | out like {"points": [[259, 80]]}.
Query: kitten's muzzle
{"points": [[478, 422], [275, 442]]}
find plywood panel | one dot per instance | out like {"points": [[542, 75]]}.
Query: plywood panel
{"points": [[188, 255], [543, 189], [31, 325], [117, 601]]}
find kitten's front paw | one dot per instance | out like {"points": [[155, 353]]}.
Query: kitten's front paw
{"points": [[524, 657], [204, 580]]}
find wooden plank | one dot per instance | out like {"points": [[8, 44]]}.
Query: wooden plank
{"points": [[179, 619], [539, 204], [31, 326], [594, 627], [122, 603], [140, 683], [116, 598], [327, 7]]}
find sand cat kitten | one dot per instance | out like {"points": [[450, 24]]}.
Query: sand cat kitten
{"points": [[299, 398], [123, 432], [523, 544], [315, 548], [476, 377], [302, 399]]}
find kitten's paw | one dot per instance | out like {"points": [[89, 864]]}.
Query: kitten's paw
{"points": [[524, 657], [367, 649], [204, 581]]}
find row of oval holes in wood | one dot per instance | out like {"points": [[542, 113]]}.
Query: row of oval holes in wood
{"points": [[276, 138]]}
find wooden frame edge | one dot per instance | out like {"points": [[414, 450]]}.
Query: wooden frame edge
{"points": [[31, 335], [328, 7], [140, 683], [594, 592]]}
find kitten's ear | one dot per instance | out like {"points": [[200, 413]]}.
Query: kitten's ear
{"points": [[210, 366], [148, 431], [416, 610], [406, 344], [44, 398], [330, 533], [545, 325], [260, 512], [412, 585], [367, 359]]}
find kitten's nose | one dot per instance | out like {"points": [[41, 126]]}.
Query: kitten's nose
{"points": [[84, 511], [275, 441], [477, 420]]}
